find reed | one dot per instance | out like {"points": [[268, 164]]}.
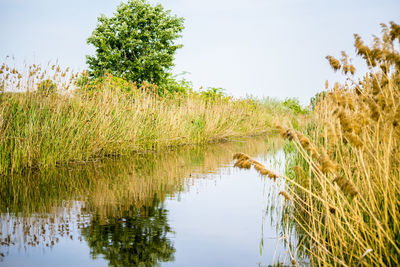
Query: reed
{"points": [[345, 171], [45, 122], [243, 161]]}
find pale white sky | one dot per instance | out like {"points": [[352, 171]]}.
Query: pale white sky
{"points": [[271, 48]]}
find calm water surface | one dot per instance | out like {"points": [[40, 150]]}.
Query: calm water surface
{"points": [[187, 207]]}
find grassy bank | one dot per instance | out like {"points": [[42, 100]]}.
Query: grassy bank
{"points": [[50, 126], [344, 172]]}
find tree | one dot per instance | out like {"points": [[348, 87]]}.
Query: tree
{"points": [[136, 44]]}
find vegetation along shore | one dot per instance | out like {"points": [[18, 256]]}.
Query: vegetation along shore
{"points": [[343, 168], [49, 125]]}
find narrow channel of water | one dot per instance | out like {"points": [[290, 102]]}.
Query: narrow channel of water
{"points": [[187, 207]]}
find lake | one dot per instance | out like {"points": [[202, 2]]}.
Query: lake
{"points": [[184, 207]]}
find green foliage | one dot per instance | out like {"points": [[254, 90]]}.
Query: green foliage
{"points": [[172, 85], [47, 87], [294, 105], [213, 93], [316, 99], [108, 82], [136, 44]]}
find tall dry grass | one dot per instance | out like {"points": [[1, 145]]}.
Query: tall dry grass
{"points": [[344, 174], [47, 123]]}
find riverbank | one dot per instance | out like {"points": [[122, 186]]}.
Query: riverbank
{"points": [[41, 129]]}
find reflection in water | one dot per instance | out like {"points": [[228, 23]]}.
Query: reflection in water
{"points": [[115, 206], [138, 238]]}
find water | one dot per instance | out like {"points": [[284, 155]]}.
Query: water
{"points": [[187, 207]]}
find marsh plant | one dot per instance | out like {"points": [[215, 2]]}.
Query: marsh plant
{"points": [[343, 167], [344, 171]]}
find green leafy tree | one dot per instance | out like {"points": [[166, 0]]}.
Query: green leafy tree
{"points": [[136, 44]]}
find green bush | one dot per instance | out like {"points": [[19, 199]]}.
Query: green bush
{"points": [[213, 93], [294, 105], [136, 44], [173, 85]]}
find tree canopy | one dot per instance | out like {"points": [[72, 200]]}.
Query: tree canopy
{"points": [[137, 43]]}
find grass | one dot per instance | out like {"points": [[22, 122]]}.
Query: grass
{"points": [[48, 124], [344, 171], [343, 167]]}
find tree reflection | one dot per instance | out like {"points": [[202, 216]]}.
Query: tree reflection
{"points": [[137, 238], [115, 205]]}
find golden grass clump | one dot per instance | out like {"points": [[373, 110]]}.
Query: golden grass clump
{"points": [[356, 134]]}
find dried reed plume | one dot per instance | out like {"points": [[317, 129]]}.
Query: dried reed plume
{"points": [[356, 130], [243, 161], [240, 156], [354, 139], [346, 185], [264, 171], [335, 64], [285, 195], [332, 210], [287, 133], [304, 141], [327, 166], [243, 164]]}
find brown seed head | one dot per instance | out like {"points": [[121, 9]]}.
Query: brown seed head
{"points": [[332, 210], [346, 185], [354, 139], [326, 164], [243, 164], [335, 64], [282, 130], [285, 195], [240, 156]]}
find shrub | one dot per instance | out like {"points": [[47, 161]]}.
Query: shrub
{"points": [[136, 44], [294, 105]]}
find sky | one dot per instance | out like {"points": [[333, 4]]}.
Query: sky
{"points": [[262, 48]]}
